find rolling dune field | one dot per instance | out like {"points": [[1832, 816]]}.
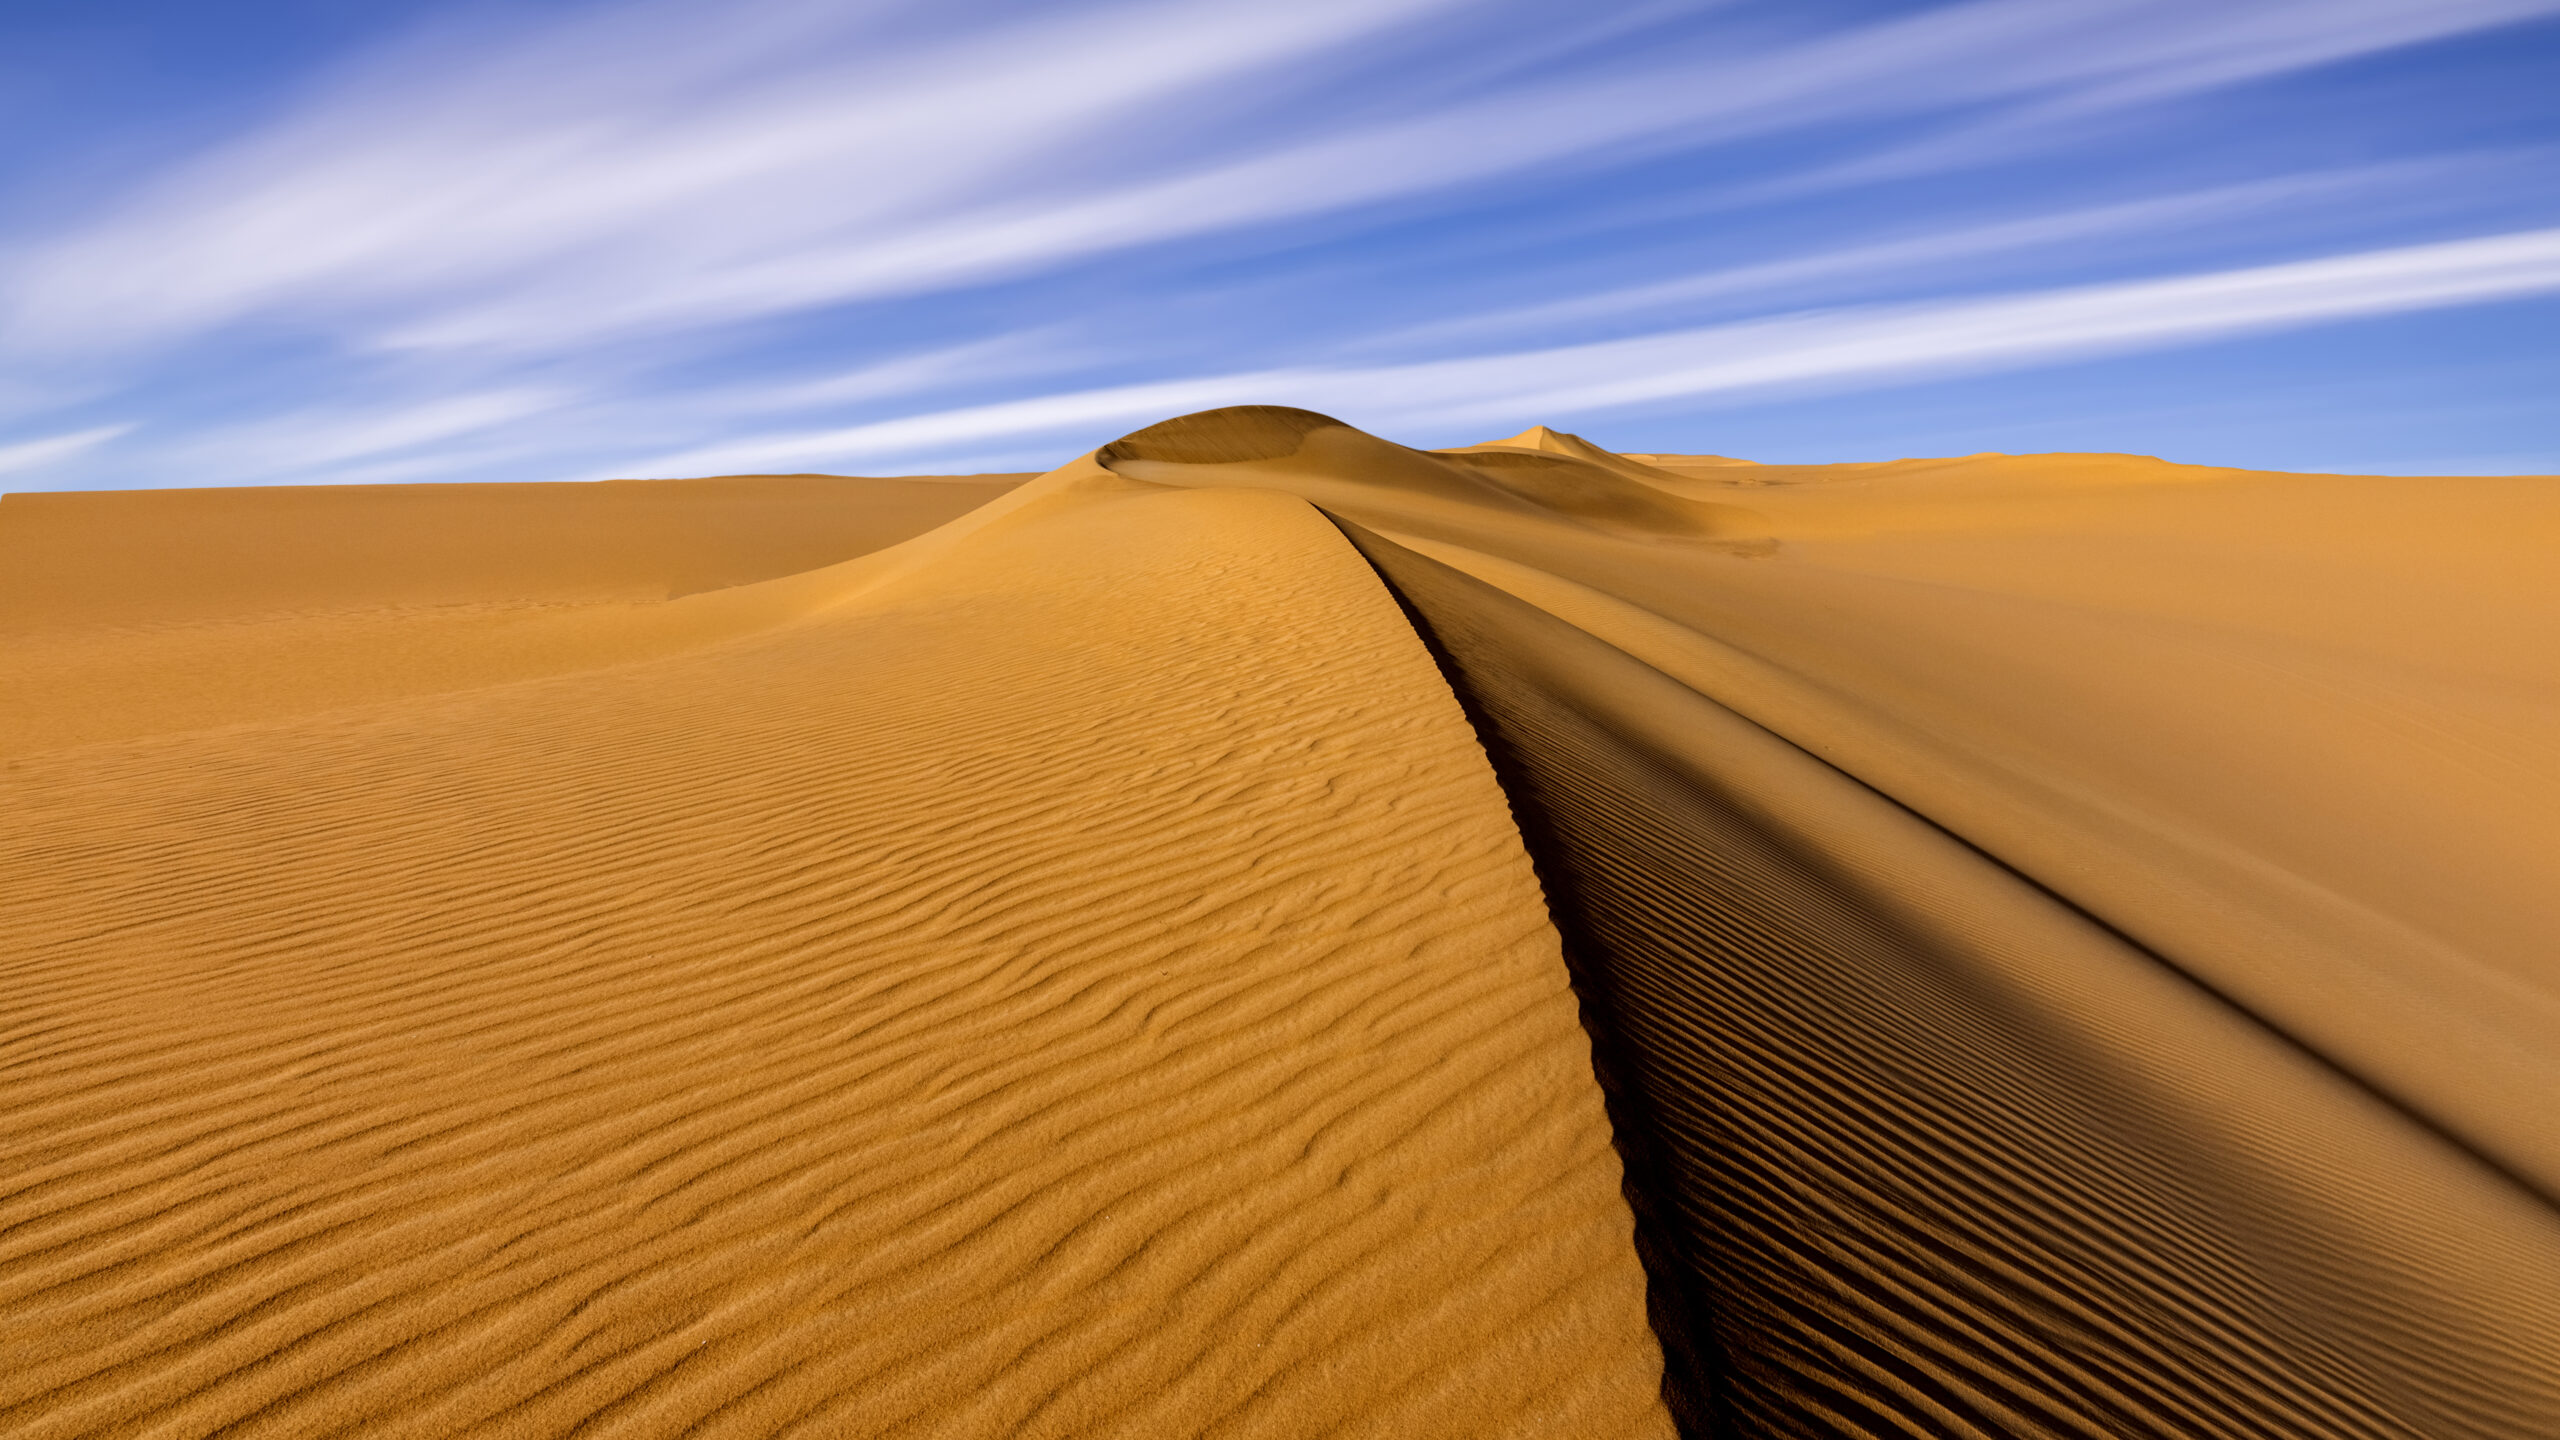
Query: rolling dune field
{"points": [[139, 612], [1267, 931], [1080, 980]]}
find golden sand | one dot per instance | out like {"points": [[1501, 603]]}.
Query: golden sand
{"points": [[1267, 931], [142, 612]]}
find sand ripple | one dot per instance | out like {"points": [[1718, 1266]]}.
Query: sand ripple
{"points": [[1090, 987], [1928, 1152]]}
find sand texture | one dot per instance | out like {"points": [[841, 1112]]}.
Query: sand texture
{"points": [[1072, 975], [2070, 939], [142, 612], [1266, 931]]}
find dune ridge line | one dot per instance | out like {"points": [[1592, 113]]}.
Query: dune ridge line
{"points": [[1263, 930]]}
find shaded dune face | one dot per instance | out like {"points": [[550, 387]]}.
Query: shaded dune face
{"points": [[1331, 462], [1218, 437], [1931, 1154], [1989, 1063]]}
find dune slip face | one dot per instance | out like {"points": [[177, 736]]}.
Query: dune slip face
{"points": [[1072, 973], [2011, 1034], [1938, 1155]]}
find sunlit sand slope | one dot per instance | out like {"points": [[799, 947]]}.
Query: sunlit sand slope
{"points": [[1072, 974], [141, 557], [129, 613], [2063, 932]]}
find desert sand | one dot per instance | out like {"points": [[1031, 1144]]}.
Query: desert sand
{"points": [[138, 612], [1267, 931]]}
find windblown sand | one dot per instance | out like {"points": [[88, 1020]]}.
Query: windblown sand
{"points": [[1267, 931], [149, 612], [1073, 977]]}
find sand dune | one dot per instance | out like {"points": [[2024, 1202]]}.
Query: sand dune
{"points": [[2049, 946], [1082, 984], [158, 557], [2072, 934], [1940, 1154], [144, 612]]}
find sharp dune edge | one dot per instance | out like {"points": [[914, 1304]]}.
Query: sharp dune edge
{"points": [[1267, 931]]}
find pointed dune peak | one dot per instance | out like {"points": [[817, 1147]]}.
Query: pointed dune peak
{"points": [[1541, 440], [1539, 437]]}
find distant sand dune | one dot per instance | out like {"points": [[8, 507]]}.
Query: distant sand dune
{"points": [[148, 612], [158, 557], [1266, 931]]}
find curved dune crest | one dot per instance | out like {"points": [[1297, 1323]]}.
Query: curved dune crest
{"points": [[1218, 437], [1268, 931], [1934, 1152], [1084, 983], [2002, 902]]}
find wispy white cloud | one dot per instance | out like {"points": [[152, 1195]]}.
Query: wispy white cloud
{"points": [[33, 455], [664, 166], [552, 234], [976, 426], [1929, 256], [2235, 43], [303, 440], [2149, 62], [1846, 348], [1889, 344], [996, 359], [658, 162]]}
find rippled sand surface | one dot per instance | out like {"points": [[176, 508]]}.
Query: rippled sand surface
{"points": [[1264, 930], [1071, 975]]}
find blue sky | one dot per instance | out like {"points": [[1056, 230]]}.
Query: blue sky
{"points": [[323, 241]]}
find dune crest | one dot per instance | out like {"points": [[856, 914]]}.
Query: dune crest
{"points": [[1349, 470], [1263, 930], [1071, 975], [1539, 440], [2003, 908]]}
